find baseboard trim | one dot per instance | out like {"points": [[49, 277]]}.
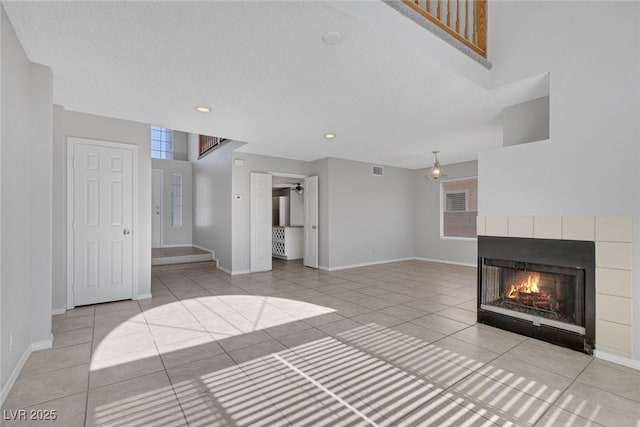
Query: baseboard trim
{"points": [[221, 268], [184, 245], [236, 272], [203, 248], [181, 259], [442, 261], [363, 264], [143, 296], [387, 261], [14, 375], [35, 346], [56, 311], [619, 360], [42, 345], [230, 272]]}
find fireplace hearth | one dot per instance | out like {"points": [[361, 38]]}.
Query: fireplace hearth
{"points": [[540, 288]]}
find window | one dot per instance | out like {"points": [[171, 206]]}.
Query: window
{"points": [[161, 143], [176, 200], [459, 208]]}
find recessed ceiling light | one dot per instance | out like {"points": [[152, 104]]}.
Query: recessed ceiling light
{"points": [[329, 135], [332, 37], [202, 109]]}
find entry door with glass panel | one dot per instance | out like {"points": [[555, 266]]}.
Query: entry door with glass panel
{"points": [[100, 192]]}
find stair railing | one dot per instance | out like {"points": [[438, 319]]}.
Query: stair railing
{"points": [[464, 20]]}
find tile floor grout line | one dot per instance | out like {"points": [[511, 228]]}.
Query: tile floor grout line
{"points": [[552, 404], [324, 389], [86, 400]]}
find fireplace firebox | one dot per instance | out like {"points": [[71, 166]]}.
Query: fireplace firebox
{"points": [[540, 288]]}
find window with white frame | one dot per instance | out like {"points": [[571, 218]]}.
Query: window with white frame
{"points": [[161, 143], [459, 208], [176, 200]]}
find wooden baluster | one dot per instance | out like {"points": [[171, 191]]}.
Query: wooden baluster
{"points": [[449, 14], [429, 6], [466, 19], [474, 17], [481, 23], [439, 12], [458, 16]]}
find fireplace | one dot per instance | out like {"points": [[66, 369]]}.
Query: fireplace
{"points": [[540, 288]]}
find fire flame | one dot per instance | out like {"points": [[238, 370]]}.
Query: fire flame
{"points": [[530, 286]]}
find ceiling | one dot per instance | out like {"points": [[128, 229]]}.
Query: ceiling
{"points": [[271, 81]]}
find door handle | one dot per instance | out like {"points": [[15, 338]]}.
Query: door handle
{"points": [[126, 231], [313, 227]]}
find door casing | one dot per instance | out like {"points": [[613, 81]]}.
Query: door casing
{"points": [[71, 141]]}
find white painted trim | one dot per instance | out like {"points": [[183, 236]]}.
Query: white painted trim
{"points": [[464, 239], [181, 259], [71, 141], [42, 345], [364, 264], [287, 175], [219, 267], [387, 261], [236, 272], [204, 249], [442, 261], [184, 245], [142, 296], [213, 253], [57, 311], [14, 374], [620, 360]]}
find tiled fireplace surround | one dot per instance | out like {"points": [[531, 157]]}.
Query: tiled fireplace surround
{"points": [[612, 237]]}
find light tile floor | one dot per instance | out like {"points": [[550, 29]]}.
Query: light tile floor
{"points": [[388, 345]]}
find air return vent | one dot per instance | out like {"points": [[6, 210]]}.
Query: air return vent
{"points": [[377, 170]]}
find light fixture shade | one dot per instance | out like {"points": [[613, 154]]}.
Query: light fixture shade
{"points": [[436, 172]]}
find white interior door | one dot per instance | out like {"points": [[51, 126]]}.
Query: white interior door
{"points": [[156, 208], [101, 201], [311, 221], [261, 205]]}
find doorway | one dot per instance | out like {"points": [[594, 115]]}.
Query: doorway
{"points": [[284, 219], [101, 221]]}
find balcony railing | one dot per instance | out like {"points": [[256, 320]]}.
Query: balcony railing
{"points": [[464, 20]]}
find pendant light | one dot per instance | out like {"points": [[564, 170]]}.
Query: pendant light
{"points": [[436, 171]]}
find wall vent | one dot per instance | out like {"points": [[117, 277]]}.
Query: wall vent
{"points": [[377, 170]]}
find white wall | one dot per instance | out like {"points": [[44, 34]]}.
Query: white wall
{"points": [[526, 122], [241, 238], [428, 243], [212, 200], [180, 145], [25, 203], [370, 218], [69, 123], [183, 235], [590, 164]]}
